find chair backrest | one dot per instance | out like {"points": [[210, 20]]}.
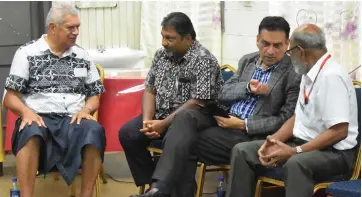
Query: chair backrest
{"points": [[357, 167], [227, 71], [101, 75], [358, 95]]}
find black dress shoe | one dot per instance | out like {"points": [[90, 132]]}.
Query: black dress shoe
{"points": [[153, 192]]}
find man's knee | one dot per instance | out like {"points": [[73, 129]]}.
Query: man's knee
{"points": [[92, 150], [295, 163], [31, 146], [247, 150], [241, 149], [128, 134], [187, 114], [34, 142], [93, 127]]}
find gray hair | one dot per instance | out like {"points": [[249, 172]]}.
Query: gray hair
{"points": [[58, 12], [309, 40]]}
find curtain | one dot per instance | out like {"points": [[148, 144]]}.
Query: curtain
{"points": [[204, 15], [108, 24], [339, 21]]}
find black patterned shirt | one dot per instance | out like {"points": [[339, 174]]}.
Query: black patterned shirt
{"points": [[196, 75], [49, 83]]}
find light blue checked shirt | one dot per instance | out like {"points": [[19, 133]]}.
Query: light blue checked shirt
{"points": [[243, 109]]}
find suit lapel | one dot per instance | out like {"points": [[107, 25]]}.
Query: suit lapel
{"points": [[274, 78], [249, 71]]}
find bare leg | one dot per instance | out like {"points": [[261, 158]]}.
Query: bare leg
{"points": [[91, 166], [26, 165]]}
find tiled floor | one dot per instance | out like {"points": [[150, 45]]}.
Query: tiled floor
{"points": [[115, 165]]}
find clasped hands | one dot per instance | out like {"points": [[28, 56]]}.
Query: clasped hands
{"points": [[274, 152], [153, 128]]}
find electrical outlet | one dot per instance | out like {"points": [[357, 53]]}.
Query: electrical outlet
{"points": [[247, 3]]}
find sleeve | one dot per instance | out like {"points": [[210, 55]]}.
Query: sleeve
{"points": [[233, 89], [18, 78], [205, 84], [93, 84], [266, 125], [151, 75], [334, 90]]}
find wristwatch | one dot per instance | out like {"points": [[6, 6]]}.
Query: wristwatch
{"points": [[248, 90], [299, 149]]}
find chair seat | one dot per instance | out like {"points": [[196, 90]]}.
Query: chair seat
{"points": [[345, 189], [156, 144], [278, 174]]}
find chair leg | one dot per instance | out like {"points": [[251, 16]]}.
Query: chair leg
{"points": [[73, 189], [1, 168], [200, 181], [259, 188], [98, 187], [55, 176], [226, 176], [141, 190], [103, 175]]}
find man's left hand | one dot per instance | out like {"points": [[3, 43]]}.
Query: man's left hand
{"points": [[82, 114], [282, 153], [232, 122]]}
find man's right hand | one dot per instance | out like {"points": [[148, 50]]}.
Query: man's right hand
{"points": [[258, 88], [148, 131], [28, 117]]}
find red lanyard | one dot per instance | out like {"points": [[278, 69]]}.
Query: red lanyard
{"points": [[306, 97]]}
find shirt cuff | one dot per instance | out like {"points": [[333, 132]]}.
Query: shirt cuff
{"points": [[246, 124]]}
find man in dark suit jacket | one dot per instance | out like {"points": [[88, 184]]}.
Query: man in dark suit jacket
{"points": [[261, 96]]}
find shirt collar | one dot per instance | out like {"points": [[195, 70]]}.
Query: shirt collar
{"points": [[44, 47], [311, 75], [187, 56], [271, 68]]}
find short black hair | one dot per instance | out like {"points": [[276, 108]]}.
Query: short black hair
{"points": [[275, 23], [181, 23]]}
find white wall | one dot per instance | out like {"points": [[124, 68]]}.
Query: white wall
{"points": [[241, 29]]}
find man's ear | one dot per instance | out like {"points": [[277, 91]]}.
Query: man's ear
{"points": [[51, 28], [302, 53], [287, 44], [188, 38]]}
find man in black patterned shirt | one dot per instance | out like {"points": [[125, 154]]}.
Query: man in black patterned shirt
{"points": [[183, 74]]}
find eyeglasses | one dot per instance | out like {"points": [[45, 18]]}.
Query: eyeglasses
{"points": [[289, 52]]}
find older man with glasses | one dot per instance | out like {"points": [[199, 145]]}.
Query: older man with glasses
{"points": [[319, 140]]}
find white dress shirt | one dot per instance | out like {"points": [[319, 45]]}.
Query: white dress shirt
{"points": [[332, 101]]}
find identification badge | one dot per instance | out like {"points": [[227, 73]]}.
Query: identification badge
{"points": [[80, 72]]}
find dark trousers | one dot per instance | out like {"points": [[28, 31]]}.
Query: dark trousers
{"points": [[135, 145], [193, 136], [301, 171]]}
